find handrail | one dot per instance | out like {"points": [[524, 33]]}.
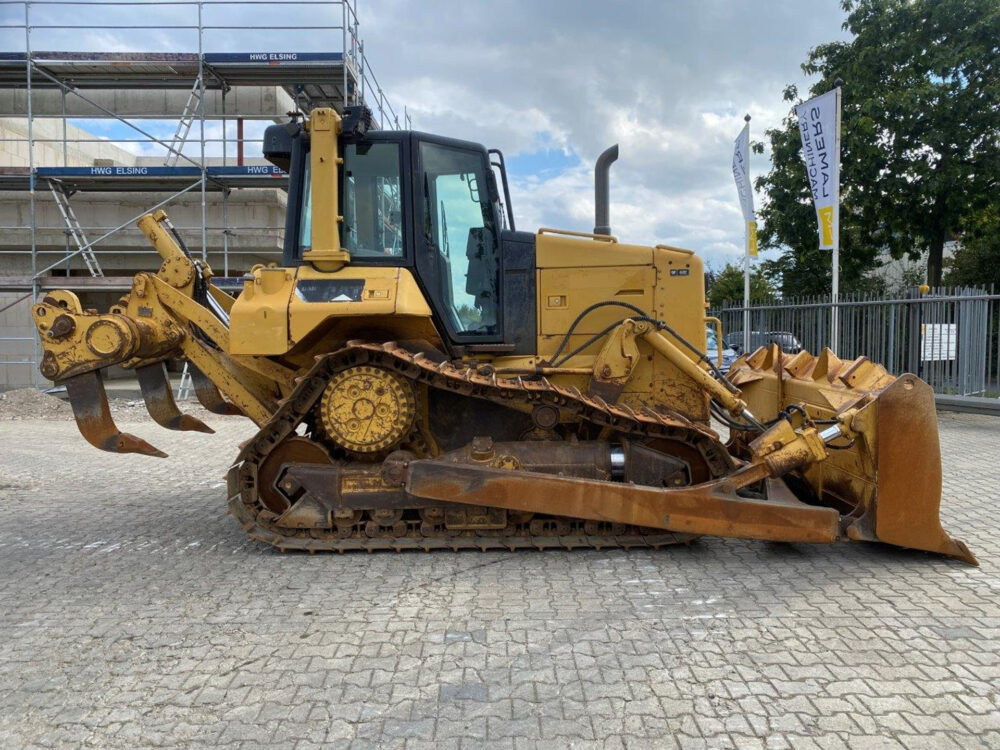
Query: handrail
{"points": [[675, 249], [586, 235], [718, 337]]}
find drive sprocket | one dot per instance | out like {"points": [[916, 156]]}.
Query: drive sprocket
{"points": [[367, 409]]}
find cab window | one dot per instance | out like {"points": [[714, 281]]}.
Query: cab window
{"points": [[371, 202], [460, 236]]}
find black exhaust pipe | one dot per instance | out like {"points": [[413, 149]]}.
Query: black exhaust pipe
{"points": [[602, 201]]}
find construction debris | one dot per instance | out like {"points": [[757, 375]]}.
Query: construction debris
{"points": [[30, 403]]}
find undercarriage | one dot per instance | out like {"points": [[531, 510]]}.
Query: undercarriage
{"points": [[296, 487]]}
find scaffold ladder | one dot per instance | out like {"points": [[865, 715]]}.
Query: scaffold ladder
{"points": [[73, 228], [184, 387], [188, 116]]}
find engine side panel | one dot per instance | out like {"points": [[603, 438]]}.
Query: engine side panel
{"points": [[665, 283], [680, 301]]}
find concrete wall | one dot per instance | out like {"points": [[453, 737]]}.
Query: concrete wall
{"points": [[48, 152], [15, 322], [257, 217], [253, 102], [903, 272]]}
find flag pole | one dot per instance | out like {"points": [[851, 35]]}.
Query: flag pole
{"points": [[835, 286], [746, 261]]}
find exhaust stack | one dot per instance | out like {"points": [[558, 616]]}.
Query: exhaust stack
{"points": [[602, 220]]}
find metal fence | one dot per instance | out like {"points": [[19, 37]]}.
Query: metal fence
{"points": [[949, 337]]}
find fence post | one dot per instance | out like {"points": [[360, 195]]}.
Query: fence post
{"points": [[913, 332]]}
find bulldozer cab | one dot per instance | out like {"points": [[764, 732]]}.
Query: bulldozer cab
{"points": [[413, 200]]}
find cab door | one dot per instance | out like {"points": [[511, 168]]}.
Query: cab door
{"points": [[456, 228]]}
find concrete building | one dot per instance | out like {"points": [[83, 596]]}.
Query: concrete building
{"points": [[899, 274]]}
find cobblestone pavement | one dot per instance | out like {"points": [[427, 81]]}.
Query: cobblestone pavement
{"points": [[134, 614]]}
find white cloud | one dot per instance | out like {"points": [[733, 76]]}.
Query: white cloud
{"points": [[669, 82]]}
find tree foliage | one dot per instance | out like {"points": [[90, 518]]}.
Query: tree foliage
{"points": [[977, 260], [920, 150], [727, 286]]}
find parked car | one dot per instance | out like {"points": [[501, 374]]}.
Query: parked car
{"points": [[787, 342], [712, 350]]}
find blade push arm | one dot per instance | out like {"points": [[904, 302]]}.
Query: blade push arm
{"points": [[617, 360]]}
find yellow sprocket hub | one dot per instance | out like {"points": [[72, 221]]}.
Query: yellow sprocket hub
{"points": [[367, 409]]}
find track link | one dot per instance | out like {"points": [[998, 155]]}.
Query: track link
{"points": [[257, 522]]}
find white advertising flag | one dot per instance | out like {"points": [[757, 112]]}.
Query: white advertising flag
{"points": [[741, 173], [819, 127]]}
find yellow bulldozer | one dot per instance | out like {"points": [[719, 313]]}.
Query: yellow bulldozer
{"points": [[423, 376]]}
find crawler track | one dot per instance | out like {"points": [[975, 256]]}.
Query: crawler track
{"points": [[540, 532]]}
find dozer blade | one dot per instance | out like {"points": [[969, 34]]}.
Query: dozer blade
{"points": [[93, 416], [208, 395], [907, 497], [160, 402], [886, 482]]}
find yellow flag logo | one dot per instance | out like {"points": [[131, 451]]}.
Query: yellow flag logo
{"points": [[752, 238], [826, 226]]}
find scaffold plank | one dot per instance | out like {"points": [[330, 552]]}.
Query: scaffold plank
{"points": [[146, 178], [95, 70], [231, 284]]}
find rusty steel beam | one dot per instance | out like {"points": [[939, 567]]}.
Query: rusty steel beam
{"points": [[712, 508]]}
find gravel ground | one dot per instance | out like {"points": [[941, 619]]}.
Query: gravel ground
{"points": [[135, 614], [32, 404]]}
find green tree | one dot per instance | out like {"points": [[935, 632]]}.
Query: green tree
{"points": [[920, 153], [727, 286], [977, 260]]}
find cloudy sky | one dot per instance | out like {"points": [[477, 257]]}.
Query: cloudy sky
{"points": [[553, 83], [550, 82]]}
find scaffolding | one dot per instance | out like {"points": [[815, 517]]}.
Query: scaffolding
{"points": [[69, 86]]}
